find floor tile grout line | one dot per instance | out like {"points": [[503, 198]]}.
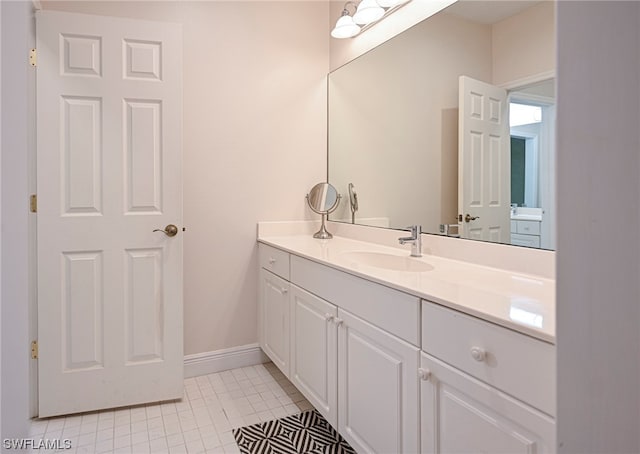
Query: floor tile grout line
{"points": [[215, 404]]}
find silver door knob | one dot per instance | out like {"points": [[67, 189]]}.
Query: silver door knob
{"points": [[468, 218], [170, 230]]}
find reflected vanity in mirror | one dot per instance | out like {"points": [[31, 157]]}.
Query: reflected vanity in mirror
{"points": [[418, 151], [323, 199]]}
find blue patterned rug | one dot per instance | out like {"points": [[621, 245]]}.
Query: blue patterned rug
{"points": [[306, 432]]}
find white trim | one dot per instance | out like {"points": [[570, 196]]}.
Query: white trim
{"points": [[17, 140], [1, 158], [219, 360], [529, 80], [519, 96]]}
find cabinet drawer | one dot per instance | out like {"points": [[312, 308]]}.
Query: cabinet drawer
{"points": [[389, 309], [525, 240], [512, 362], [529, 227], [274, 260]]}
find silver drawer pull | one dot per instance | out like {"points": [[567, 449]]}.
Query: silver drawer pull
{"points": [[328, 317], [272, 260], [478, 354], [284, 290], [338, 321], [424, 374]]}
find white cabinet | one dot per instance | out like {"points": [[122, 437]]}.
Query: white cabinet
{"points": [[484, 388], [512, 362], [350, 364], [377, 388], [461, 414], [352, 347], [274, 319], [525, 233], [314, 351]]}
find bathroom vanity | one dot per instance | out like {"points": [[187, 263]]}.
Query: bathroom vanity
{"points": [[406, 354], [526, 227]]}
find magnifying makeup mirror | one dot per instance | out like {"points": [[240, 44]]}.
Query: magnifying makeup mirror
{"points": [[323, 199]]}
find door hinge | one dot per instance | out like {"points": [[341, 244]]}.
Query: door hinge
{"points": [[34, 349], [33, 57], [33, 203]]}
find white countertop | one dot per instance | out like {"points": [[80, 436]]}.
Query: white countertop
{"points": [[527, 214], [521, 302]]}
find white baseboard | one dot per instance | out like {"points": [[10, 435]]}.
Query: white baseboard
{"points": [[219, 360]]}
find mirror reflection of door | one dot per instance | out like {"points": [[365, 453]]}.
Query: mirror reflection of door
{"points": [[483, 161]]}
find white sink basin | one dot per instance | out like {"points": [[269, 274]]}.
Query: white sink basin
{"points": [[387, 261]]}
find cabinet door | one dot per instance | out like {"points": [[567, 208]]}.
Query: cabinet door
{"points": [[274, 308], [377, 388], [314, 351], [463, 415]]}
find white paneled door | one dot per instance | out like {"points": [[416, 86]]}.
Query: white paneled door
{"points": [[109, 96], [484, 162]]}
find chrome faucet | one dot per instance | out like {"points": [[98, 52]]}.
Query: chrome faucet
{"points": [[415, 239]]}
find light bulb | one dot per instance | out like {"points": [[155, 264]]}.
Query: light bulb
{"points": [[368, 11], [345, 27], [390, 3]]}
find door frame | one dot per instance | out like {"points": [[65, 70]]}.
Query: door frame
{"points": [[547, 199], [33, 223]]}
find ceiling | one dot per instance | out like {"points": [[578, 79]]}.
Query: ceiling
{"points": [[489, 12]]}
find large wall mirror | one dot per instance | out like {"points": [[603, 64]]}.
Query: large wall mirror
{"points": [[451, 125]]}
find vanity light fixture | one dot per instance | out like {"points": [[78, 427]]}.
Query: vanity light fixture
{"points": [[345, 27], [366, 14], [390, 3]]}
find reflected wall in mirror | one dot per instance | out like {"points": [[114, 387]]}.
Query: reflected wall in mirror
{"points": [[394, 125]]}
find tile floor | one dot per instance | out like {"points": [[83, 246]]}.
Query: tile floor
{"points": [[201, 422]]}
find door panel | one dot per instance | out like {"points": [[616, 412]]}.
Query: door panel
{"points": [[143, 306], [83, 306], [143, 170], [109, 171]]}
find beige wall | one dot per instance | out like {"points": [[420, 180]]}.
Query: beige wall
{"points": [[254, 143], [524, 45]]}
